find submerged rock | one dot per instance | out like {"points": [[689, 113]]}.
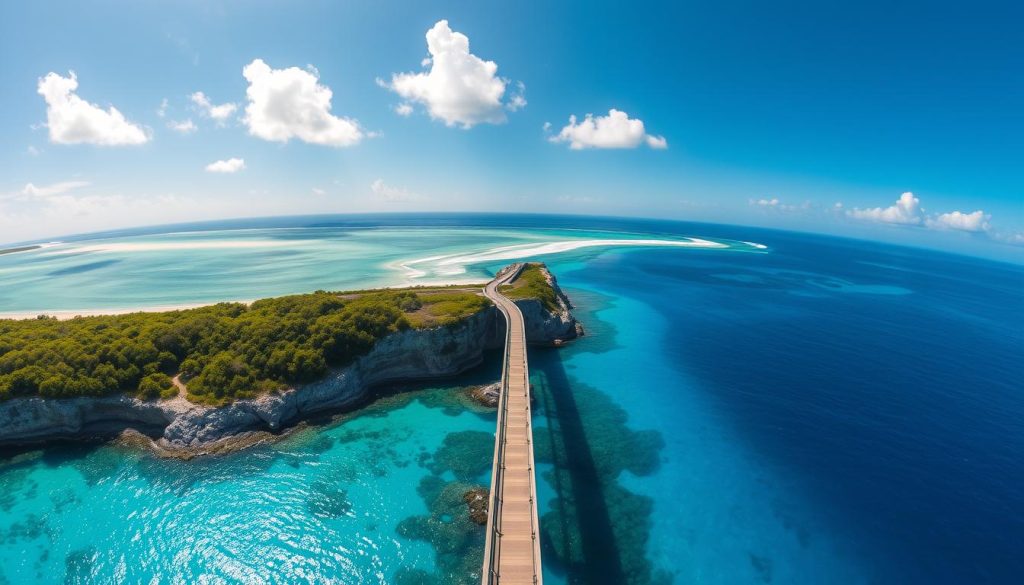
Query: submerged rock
{"points": [[457, 540], [487, 395], [476, 500]]}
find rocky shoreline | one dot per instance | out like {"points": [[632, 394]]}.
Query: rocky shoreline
{"points": [[183, 429]]}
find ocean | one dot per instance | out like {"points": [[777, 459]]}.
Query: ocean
{"points": [[748, 406]]}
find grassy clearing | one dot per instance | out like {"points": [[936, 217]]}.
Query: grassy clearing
{"points": [[532, 284], [442, 308]]}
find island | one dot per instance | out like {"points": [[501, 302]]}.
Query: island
{"points": [[214, 378], [17, 249]]}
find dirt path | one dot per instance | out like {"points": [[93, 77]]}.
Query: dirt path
{"points": [[182, 390]]}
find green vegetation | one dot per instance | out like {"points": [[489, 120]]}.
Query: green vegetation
{"points": [[222, 352], [157, 385], [532, 284], [442, 309]]}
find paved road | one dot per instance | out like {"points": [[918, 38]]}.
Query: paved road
{"points": [[512, 551]]}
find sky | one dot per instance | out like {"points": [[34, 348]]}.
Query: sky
{"points": [[896, 121]]}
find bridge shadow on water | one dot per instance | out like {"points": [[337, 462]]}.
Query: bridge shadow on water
{"points": [[577, 533]]}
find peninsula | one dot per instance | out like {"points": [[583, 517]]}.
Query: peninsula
{"points": [[193, 380]]}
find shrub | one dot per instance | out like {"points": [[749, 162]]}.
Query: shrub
{"points": [[156, 385], [532, 284], [222, 352]]}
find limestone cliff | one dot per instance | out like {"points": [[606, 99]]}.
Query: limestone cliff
{"points": [[414, 354], [544, 327]]}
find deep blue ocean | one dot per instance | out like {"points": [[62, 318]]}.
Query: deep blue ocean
{"points": [[821, 410]]}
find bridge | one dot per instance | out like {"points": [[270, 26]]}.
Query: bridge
{"points": [[512, 548]]}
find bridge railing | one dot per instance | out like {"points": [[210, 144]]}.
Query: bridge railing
{"points": [[492, 544]]}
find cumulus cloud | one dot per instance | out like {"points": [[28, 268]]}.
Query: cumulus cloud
{"points": [[218, 112], [906, 211], [319, 192], [976, 221], [162, 110], [616, 130], [460, 88], [183, 127], [231, 165], [773, 202], [403, 109], [291, 103], [392, 194], [72, 120]]}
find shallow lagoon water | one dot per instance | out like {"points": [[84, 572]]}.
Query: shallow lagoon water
{"points": [[819, 411], [320, 506]]}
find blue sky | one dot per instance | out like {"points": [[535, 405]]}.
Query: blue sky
{"points": [[752, 113]]}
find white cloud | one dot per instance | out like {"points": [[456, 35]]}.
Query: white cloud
{"points": [[461, 89], [231, 165], [517, 100], [616, 130], [392, 194], [33, 151], [56, 209], [183, 127], [72, 120], [957, 220], [319, 191], [906, 211], [291, 103], [52, 189], [1015, 239], [776, 204], [220, 113], [403, 109], [657, 142], [162, 110]]}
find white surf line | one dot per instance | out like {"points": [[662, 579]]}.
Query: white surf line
{"points": [[756, 245], [65, 314], [409, 270], [164, 246], [454, 264]]}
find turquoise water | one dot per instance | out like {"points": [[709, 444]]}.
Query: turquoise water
{"points": [[816, 411], [322, 506], [180, 268]]}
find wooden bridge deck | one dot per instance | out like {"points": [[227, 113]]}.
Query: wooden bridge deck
{"points": [[512, 550]]}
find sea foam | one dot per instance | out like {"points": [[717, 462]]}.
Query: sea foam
{"points": [[456, 264]]}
